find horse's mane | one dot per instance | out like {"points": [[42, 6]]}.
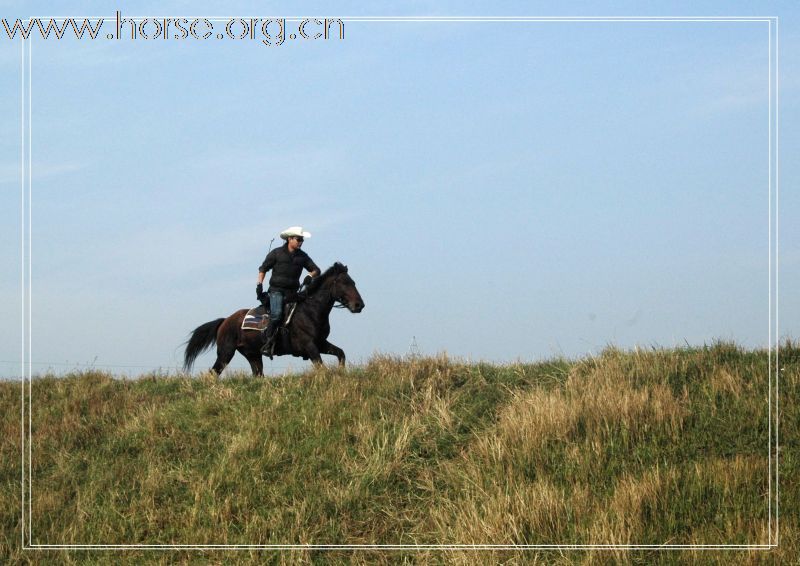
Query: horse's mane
{"points": [[318, 282]]}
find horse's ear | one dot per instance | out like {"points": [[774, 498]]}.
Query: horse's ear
{"points": [[345, 268]]}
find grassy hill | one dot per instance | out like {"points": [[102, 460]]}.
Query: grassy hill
{"points": [[642, 448]]}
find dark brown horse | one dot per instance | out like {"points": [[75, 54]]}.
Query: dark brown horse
{"points": [[308, 330]]}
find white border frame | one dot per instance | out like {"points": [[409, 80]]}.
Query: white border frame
{"points": [[773, 168]]}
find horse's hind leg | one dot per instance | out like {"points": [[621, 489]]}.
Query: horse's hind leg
{"points": [[225, 354], [256, 361], [333, 350]]}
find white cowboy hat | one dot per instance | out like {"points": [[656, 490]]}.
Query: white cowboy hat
{"points": [[294, 231]]}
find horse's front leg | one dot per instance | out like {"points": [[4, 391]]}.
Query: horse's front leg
{"points": [[313, 353], [334, 350], [304, 345]]}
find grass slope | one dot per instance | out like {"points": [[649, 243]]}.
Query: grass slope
{"points": [[645, 447]]}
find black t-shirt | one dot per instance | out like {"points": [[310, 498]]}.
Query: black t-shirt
{"points": [[286, 268]]}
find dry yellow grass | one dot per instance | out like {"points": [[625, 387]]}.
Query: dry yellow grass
{"points": [[625, 448], [586, 410]]}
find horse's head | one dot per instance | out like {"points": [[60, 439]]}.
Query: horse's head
{"points": [[343, 288]]}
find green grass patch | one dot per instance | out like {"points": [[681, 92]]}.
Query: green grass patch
{"points": [[641, 447]]}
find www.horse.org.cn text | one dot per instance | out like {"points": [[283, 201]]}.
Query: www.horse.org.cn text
{"points": [[268, 31]]}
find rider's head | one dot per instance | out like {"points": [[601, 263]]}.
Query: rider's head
{"points": [[294, 237]]}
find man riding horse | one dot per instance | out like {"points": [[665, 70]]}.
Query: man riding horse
{"points": [[287, 263]]}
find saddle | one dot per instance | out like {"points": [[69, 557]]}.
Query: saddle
{"points": [[258, 318]]}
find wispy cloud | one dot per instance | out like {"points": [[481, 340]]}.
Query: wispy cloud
{"points": [[737, 90], [742, 83], [164, 255], [12, 172], [82, 53], [307, 167]]}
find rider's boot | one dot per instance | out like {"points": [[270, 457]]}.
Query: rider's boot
{"points": [[272, 333]]}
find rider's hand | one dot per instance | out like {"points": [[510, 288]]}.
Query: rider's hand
{"points": [[307, 281], [259, 291]]}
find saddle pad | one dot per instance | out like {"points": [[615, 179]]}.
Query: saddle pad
{"points": [[256, 319]]}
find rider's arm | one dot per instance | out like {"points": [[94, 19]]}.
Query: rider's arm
{"points": [[266, 265], [311, 267]]}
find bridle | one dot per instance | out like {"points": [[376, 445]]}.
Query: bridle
{"points": [[341, 304]]}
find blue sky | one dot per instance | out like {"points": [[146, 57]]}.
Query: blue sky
{"points": [[500, 190]]}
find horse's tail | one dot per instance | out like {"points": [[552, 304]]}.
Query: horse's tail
{"points": [[203, 337]]}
